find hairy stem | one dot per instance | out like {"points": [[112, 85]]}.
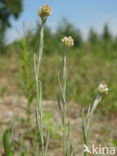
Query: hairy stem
{"points": [[40, 49], [86, 124], [64, 104], [39, 86]]}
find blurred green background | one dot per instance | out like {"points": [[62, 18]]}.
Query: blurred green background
{"points": [[92, 60], [89, 62]]}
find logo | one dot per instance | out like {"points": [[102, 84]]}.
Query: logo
{"points": [[99, 150], [86, 149]]}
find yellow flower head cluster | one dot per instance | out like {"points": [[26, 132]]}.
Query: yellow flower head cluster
{"points": [[45, 11], [103, 89], [68, 41]]}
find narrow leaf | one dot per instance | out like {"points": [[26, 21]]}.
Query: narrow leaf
{"points": [[46, 147], [68, 137], [71, 150], [7, 142], [59, 104], [37, 121], [60, 87]]}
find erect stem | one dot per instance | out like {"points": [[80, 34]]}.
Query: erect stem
{"points": [[64, 72], [86, 124], [85, 140], [39, 86], [91, 111], [84, 133], [64, 104], [40, 49]]}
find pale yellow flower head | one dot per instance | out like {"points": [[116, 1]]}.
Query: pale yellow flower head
{"points": [[103, 89], [68, 41], [45, 11]]}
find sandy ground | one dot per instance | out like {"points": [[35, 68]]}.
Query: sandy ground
{"points": [[102, 129]]}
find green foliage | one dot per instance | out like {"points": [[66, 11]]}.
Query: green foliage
{"points": [[3, 91], [93, 37], [87, 60], [88, 66], [7, 142], [23, 154], [62, 104], [50, 40], [95, 41], [47, 117], [8, 9], [85, 122], [106, 33], [48, 122], [53, 39], [39, 113], [114, 142], [68, 29], [28, 80]]}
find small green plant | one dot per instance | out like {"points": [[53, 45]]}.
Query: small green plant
{"points": [[7, 142], [114, 142], [28, 81], [44, 12], [48, 122], [3, 91], [67, 42], [23, 154], [102, 89]]}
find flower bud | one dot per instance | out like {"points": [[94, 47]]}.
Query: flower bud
{"points": [[45, 11], [68, 41], [103, 89]]}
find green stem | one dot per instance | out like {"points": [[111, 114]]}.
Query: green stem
{"points": [[64, 73], [64, 130], [85, 142], [29, 113], [40, 49], [64, 104], [26, 76], [89, 116], [39, 87], [84, 132], [95, 104]]}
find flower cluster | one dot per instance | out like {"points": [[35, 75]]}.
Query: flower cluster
{"points": [[45, 11], [103, 89], [68, 41]]}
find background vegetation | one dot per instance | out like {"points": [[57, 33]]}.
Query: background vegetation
{"points": [[8, 9], [89, 63]]}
